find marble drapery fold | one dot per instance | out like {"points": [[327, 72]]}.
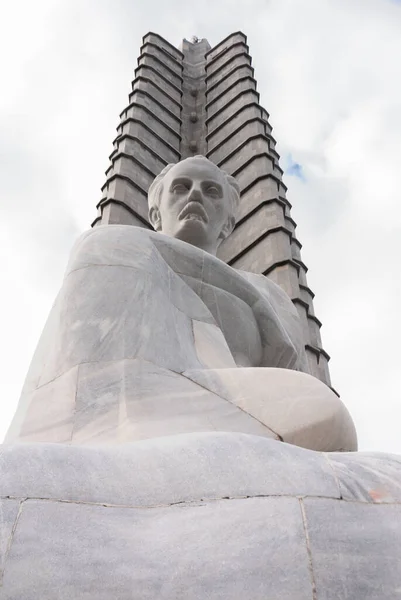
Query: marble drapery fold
{"points": [[145, 339]]}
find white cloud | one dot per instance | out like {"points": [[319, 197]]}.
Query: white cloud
{"points": [[329, 74]]}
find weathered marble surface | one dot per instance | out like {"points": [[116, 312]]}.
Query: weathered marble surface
{"points": [[152, 336], [201, 515]]}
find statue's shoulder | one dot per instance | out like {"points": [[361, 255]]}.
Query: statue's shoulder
{"points": [[114, 231], [269, 288], [110, 245]]}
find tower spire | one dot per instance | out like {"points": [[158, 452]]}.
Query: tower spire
{"points": [[203, 100]]}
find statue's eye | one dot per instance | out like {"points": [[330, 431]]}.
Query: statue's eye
{"points": [[180, 188], [212, 190]]}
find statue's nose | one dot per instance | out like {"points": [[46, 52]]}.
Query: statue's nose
{"points": [[195, 194]]}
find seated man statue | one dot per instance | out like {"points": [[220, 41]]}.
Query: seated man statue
{"points": [[167, 382], [153, 335]]}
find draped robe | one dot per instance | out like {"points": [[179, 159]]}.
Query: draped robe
{"points": [[152, 336]]}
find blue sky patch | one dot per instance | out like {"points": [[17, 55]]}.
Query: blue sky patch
{"points": [[294, 169]]}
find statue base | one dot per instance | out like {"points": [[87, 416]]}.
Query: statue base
{"points": [[199, 515]]}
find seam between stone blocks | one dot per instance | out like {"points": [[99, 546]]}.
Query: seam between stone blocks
{"points": [[308, 549], [10, 540], [195, 501], [92, 362], [334, 472], [75, 403], [278, 436]]}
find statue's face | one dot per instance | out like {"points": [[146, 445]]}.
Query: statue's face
{"points": [[194, 204]]}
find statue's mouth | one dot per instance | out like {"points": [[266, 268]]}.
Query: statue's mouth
{"points": [[193, 210]]}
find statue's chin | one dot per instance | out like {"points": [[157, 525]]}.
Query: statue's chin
{"points": [[195, 231], [193, 218]]}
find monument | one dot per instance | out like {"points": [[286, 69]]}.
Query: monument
{"points": [[177, 435]]}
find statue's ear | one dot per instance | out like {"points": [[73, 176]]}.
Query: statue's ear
{"points": [[154, 218], [227, 228]]}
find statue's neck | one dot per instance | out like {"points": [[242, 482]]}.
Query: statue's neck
{"points": [[199, 243]]}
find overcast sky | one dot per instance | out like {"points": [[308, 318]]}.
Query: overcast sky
{"points": [[329, 74]]}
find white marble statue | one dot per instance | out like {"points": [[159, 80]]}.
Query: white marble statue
{"points": [[165, 380], [153, 335]]}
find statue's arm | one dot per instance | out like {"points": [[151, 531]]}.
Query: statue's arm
{"points": [[286, 313]]}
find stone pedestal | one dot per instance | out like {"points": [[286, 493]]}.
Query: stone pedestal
{"points": [[195, 516]]}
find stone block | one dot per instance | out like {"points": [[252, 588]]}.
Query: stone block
{"points": [[235, 104], [296, 249], [286, 276], [212, 550], [289, 221], [313, 361], [241, 334], [303, 318], [142, 153], [242, 85], [252, 170], [118, 214], [157, 109], [231, 39], [167, 151], [167, 470], [218, 88], [298, 407], [223, 132], [133, 169], [134, 400], [50, 412], [101, 327], [9, 510], [263, 190], [302, 275], [237, 140], [159, 94], [149, 72], [155, 38], [324, 373], [228, 66], [225, 55], [239, 58], [128, 194], [160, 67], [164, 55], [278, 171], [368, 477], [314, 332], [273, 248], [355, 549], [307, 296], [211, 346], [150, 119], [270, 216]]}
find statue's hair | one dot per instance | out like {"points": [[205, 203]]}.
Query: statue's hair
{"points": [[156, 187]]}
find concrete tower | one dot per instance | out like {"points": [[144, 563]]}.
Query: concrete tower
{"points": [[203, 100]]}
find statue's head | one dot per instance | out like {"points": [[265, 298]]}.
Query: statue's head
{"points": [[194, 201]]}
